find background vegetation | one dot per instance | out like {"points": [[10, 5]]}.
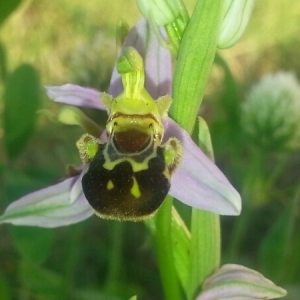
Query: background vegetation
{"points": [[54, 42]]}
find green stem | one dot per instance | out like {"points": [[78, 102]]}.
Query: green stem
{"points": [[164, 251], [116, 254], [195, 59]]}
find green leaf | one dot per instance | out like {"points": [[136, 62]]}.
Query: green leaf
{"points": [[21, 100], [205, 248], [204, 138], [181, 239], [33, 244], [7, 7], [205, 230], [195, 60]]}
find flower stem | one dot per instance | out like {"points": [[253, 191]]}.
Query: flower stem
{"points": [[116, 255], [164, 251], [195, 60]]}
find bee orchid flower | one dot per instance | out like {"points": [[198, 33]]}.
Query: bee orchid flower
{"points": [[197, 182]]}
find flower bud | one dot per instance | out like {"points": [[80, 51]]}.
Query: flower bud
{"points": [[235, 19], [271, 112], [162, 12], [172, 15]]}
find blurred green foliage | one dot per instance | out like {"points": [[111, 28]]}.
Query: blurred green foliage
{"points": [[54, 42], [21, 102], [7, 7]]}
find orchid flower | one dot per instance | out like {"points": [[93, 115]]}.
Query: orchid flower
{"points": [[198, 182]]}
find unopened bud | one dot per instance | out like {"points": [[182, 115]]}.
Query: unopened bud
{"points": [[235, 19], [171, 14], [162, 12]]}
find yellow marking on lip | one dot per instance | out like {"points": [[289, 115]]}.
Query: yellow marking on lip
{"points": [[110, 185], [135, 190]]}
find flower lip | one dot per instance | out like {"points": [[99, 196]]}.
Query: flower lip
{"points": [[131, 140]]}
